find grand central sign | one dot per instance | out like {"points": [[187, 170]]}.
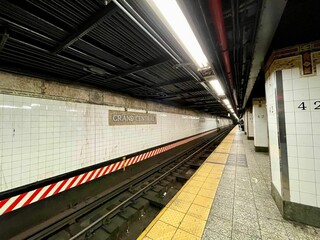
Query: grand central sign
{"points": [[131, 118]]}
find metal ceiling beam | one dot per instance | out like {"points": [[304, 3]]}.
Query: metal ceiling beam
{"points": [[176, 94], [140, 68], [168, 83], [203, 105], [199, 96], [87, 27]]}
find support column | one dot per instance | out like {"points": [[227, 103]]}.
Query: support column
{"points": [[245, 122], [250, 124], [260, 125], [293, 106]]}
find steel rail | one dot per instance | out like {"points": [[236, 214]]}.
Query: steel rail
{"points": [[83, 208], [96, 224]]}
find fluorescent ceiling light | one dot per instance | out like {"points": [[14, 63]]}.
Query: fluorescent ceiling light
{"points": [[217, 87], [173, 15], [226, 102]]}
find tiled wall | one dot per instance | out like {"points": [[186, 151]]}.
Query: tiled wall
{"points": [[42, 138], [260, 124], [273, 129], [302, 116]]}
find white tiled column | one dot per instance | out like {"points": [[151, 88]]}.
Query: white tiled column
{"points": [[245, 123], [302, 113], [301, 97], [250, 124], [260, 124]]}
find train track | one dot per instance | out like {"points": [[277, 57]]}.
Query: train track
{"points": [[123, 212]]}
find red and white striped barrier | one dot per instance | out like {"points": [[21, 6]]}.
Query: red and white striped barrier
{"points": [[27, 198]]}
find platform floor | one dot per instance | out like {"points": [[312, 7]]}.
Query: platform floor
{"points": [[227, 198]]}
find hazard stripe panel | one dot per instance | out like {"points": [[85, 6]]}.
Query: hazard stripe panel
{"points": [[27, 198]]}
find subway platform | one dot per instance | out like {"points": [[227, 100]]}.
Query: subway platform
{"points": [[227, 198]]}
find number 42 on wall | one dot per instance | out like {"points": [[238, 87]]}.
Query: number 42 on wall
{"points": [[303, 106]]}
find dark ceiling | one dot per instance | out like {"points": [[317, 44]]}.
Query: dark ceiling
{"points": [[94, 43]]}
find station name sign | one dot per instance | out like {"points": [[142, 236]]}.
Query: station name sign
{"points": [[131, 118]]}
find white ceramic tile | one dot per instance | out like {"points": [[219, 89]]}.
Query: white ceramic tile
{"points": [[293, 162], [288, 95], [305, 152], [294, 185], [300, 83], [318, 197], [316, 128], [307, 187], [306, 163], [48, 133], [292, 151], [295, 196], [315, 93], [317, 163], [318, 180], [302, 94], [291, 139], [287, 85], [307, 175], [316, 151], [289, 106], [294, 173], [291, 128], [290, 117], [315, 116], [286, 74], [304, 128], [314, 82], [295, 73], [305, 140], [308, 199]]}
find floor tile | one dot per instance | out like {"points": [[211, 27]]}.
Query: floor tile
{"points": [[211, 235], [220, 225], [180, 205], [183, 235], [161, 231], [198, 211], [172, 217], [203, 201], [193, 225]]}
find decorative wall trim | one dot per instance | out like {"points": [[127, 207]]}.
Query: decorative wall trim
{"points": [[304, 56]]}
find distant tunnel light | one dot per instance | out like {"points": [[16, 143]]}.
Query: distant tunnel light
{"points": [[172, 13], [217, 87]]}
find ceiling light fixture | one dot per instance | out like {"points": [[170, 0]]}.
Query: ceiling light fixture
{"points": [[178, 23], [217, 87], [226, 102]]}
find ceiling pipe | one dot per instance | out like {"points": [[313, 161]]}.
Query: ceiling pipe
{"points": [[218, 22]]}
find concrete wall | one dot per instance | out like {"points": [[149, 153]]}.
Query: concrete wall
{"points": [[48, 129]]}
